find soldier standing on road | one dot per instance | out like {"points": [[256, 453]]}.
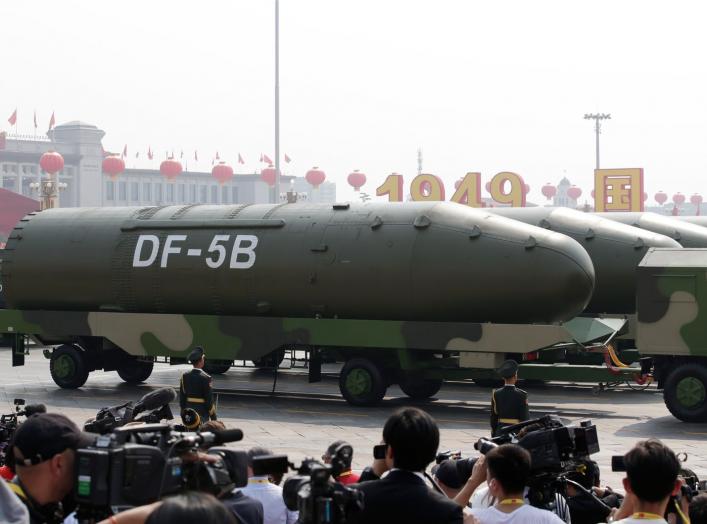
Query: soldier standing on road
{"points": [[195, 392], [509, 405]]}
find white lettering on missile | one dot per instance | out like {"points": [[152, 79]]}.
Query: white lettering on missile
{"points": [[247, 250], [218, 250], [194, 252], [140, 262], [168, 249]]}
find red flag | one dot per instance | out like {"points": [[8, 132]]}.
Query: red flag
{"points": [[52, 121], [13, 118], [266, 159], [3, 137], [196, 155], [149, 153], [240, 159], [125, 151], [287, 158], [35, 119]]}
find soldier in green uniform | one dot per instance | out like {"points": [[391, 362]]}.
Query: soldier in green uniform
{"points": [[195, 392], [509, 405]]}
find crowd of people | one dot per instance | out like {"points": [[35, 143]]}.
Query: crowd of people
{"points": [[404, 484]]}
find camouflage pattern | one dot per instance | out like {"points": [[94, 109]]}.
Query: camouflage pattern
{"points": [[672, 303], [686, 233], [248, 338]]}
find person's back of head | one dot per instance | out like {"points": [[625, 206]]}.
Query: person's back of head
{"points": [[346, 458], [413, 437], [212, 425], [257, 451], [652, 470], [189, 508], [698, 509], [509, 467]]}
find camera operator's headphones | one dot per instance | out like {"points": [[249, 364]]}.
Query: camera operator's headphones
{"points": [[191, 418], [341, 459]]}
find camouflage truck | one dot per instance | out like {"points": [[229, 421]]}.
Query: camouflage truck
{"points": [[672, 327]]}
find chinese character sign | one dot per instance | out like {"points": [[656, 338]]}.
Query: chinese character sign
{"points": [[618, 189]]}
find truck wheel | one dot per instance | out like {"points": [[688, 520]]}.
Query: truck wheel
{"points": [[685, 392], [135, 371], [361, 382], [67, 367], [217, 367], [271, 360], [421, 389]]}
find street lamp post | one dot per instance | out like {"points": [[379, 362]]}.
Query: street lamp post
{"points": [[597, 117]]}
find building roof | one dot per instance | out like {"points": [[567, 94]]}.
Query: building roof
{"points": [[13, 207], [76, 123]]}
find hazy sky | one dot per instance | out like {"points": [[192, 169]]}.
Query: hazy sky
{"points": [[480, 86]]}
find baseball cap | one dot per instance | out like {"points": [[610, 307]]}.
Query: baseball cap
{"points": [[44, 435]]}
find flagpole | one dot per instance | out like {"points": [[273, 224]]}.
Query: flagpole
{"points": [[277, 101]]}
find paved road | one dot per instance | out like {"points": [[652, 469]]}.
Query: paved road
{"points": [[301, 419]]}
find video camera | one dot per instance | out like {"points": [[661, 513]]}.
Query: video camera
{"points": [[137, 465], [557, 451], [154, 408], [310, 491], [9, 423]]}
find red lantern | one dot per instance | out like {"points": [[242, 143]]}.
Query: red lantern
{"points": [[574, 192], [267, 175], [315, 177], [678, 199], [696, 199], [661, 197], [113, 166], [548, 191], [222, 172], [170, 169], [356, 179], [51, 162]]}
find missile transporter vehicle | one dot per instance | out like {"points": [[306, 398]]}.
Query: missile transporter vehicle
{"points": [[406, 294]]}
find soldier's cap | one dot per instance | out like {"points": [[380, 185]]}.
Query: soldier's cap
{"points": [[196, 354], [44, 435], [508, 369]]}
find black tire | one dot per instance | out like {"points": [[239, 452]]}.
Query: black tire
{"points": [[271, 360], [68, 367], [135, 371], [361, 382], [217, 367], [685, 392], [421, 389]]}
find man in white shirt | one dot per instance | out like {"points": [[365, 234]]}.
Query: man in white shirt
{"points": [[269, 494], [507, 472], [651, 479]]}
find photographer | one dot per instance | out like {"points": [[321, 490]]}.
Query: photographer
{"points": [[43, 453], [270, 496], [507, 474], [698, 509], [651, 479], [411, 437], [593, 507], [346, 476]]}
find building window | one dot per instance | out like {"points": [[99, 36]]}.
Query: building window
{"points": [[135, 191], [234, 195], [202, 194], [158, 193], [170, 193], [110, 190], [182, 193], [147, 191], [192, 194], [122, 191]]}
